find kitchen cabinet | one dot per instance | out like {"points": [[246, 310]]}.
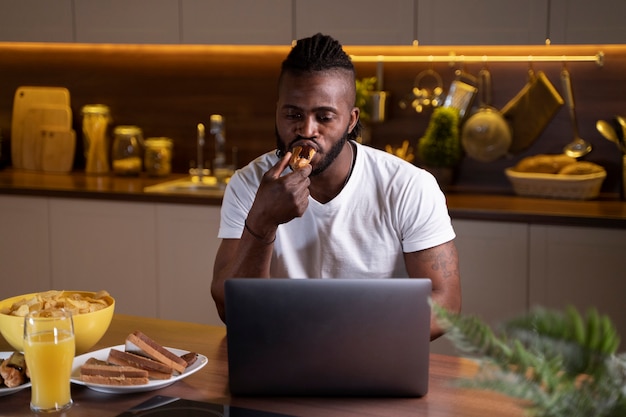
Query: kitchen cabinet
{"points": [[155, 259], [36, 21], [24, 246], [493, 264], [250, 22], [121, 21], [584, 22], [106, 245], [186, 241], [579, 266], [362, 22], [486, 22], [277, 22]]}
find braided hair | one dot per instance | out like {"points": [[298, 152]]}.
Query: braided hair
{"points": [[319, 53]]}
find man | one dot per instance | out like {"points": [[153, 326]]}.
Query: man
{"points": [[354, 212]]}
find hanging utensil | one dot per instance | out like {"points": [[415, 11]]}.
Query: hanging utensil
{"points": [[621, 134], [461, 93], [578, 147], [607, 131], [486, 135]]}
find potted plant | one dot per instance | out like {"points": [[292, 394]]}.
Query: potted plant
{"points": [[440, 148], [560, 364]]}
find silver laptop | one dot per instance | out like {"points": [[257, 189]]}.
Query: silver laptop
{"points": [[328, 337]]}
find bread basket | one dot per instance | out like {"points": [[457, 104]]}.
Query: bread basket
{"points": [[570, 187]]}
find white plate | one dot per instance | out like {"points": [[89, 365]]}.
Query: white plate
{"points": [[8, 391], [155, 384]]}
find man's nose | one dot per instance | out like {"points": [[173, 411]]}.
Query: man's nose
{"points": [[308, 127]]}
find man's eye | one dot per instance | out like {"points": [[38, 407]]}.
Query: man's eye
{"points": [[325, 118], [293, 116]]}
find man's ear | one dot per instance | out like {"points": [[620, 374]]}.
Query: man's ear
{"points": [[354, 118]]}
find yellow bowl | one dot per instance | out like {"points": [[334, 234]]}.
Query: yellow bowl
{"points": [[88, 327]]}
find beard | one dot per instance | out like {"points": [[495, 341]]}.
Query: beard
{"points": [[327, 158]]}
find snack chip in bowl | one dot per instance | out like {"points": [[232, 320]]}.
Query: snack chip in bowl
{"points": [[92, 313]]}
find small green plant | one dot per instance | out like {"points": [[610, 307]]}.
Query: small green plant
{"points": [[364, 87], [441, 145], [561, 364]]}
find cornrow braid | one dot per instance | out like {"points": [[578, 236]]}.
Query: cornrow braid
{"points": [[317, 53]]}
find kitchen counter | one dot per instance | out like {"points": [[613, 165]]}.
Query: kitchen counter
{"points": [[606, 211]]}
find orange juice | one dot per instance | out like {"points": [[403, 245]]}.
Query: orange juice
{"points": [[49, 360]]}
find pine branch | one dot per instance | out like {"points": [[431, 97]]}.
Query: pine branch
{"points": [[561, 364]]}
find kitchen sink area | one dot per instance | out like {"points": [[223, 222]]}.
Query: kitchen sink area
{"points": [[207, 186]]}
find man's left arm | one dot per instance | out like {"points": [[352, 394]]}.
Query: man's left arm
{"points": [[441, 265]]}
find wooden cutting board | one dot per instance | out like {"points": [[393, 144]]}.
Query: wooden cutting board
{"points": [[25, 98], [58, 117], [57, 150]]}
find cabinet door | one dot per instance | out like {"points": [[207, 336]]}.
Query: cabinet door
{"points": [[248, 22], [483, 22], [357, 22], [104, 245], [494, 270], [24, 246], [579, 266], [186, 246], [121, 21], [585, 22], [36, 21]]}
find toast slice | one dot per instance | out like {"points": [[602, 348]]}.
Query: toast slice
{"points": [[140, 344], [156, 370], [100, 372]]}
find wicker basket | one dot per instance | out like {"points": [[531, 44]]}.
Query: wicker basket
{"points": [[571, 187]]}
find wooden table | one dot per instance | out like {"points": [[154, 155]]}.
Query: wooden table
{"points": [[210, 384]]}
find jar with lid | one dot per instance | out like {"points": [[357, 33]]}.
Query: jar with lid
{"points": [[96, 119], [158, 156], [127, 150]]}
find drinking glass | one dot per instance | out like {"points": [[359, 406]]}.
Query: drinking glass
{"points": [[49, 352]]}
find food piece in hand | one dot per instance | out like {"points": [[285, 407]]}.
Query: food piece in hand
{"points": [[156, 370], [301, 157], [99, 372], [13, 370], [140, 344]]}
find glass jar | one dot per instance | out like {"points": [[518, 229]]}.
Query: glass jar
{"points": [[126, 152], [96, 119], [158, 156]]}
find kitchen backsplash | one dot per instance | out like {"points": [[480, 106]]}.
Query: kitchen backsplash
{"points": [[168, 90]]}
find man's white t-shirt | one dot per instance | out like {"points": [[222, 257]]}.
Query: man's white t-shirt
{"points": [[388, 207]]}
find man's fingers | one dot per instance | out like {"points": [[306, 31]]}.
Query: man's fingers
{"points": [[277, 170]]}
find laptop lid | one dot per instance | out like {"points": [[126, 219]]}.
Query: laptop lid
{"points": [[332, 337]]}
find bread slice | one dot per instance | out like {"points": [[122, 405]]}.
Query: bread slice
{"points": [[156, 370], [100, 372], [114, 380], [140, 344]]}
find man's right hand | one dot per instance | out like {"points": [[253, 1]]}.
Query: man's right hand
{"points": [[280, 198]]}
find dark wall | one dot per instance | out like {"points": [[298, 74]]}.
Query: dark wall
{"points": [[168, 90]]}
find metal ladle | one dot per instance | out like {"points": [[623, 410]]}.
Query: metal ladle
{"points": [[578, 147]]}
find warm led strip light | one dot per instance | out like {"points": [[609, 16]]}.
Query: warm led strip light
{"points": [[453, 58]]}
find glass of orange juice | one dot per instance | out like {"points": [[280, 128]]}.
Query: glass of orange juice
{"points": [[49, 352]]}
